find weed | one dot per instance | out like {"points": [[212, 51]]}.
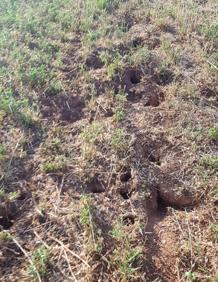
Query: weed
{"points": [[117, 232], [53, 166], [114, 67], [103, 4], [85, 212], [54, 87], [91, 132], [124, 256], [55, 145], [4, 236], [2, 192], [40, 261], [90, 135], [49, 167], [9, 104], [3, 152], [139, 56], [27, 118], [171, 52], [210, 162], [126, 266], [214, 232], [118, 115], [36, 76], [105, 57], [120, 99], [93, 238], [191, 276], [18, 108], [118, 140], [210, 31], [8, 197], [91, 37], [213, 133], [13, 195]]}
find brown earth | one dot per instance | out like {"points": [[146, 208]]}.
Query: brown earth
{"points": [[152, 181]]}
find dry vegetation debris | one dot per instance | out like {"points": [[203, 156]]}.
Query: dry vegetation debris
{"points": [[108, 140]]}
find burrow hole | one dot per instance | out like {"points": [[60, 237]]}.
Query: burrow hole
{"points": [[135, 77], [125, 194], [154, 159], [161, 205], [126, 175], [138, 42], [164, 78], [95, 186], [6, 222], [128, 219]]}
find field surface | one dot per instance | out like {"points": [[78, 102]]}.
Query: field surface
{"points": [[109, 140]]}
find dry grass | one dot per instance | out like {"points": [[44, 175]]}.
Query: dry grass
{"points": [[108, 140]]}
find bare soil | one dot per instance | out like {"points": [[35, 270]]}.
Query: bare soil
{"points": [[153, 183]]}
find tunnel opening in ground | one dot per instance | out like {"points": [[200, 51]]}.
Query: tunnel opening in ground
{"points": [[6, 223], [126, 175], [95, 186], [161, 205], [135, 77], [138, 42], [126, 194], [128, 219], [154, 159], [164, 78], [164, 203]]}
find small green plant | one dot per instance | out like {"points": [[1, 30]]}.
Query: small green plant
{"points": [[214, 231], [120, 99], [55, 145], [210, 162], [49, 167], [191, 276], [139, 56], [9, 104], [5, 236], [118, 140], [117, 232], [19, 109], [93, 239], [118, 115], [3, 152], [8, 197], [105, 57], [13, 195], [116, 65], [36, 76], [171, 52], [85, 212], [26, 118], [126, 265], [211, 32], [54, 87], [213, 133], [2, 192], [103, 4], [90, 135], [40, 262], [53, 166], [124, 256], [91, 132], [91, 37]]}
